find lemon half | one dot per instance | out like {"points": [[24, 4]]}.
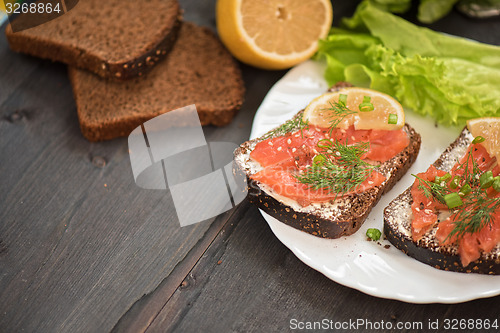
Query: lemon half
{"points": [[489, 129], [273, 34], [387, 113]]}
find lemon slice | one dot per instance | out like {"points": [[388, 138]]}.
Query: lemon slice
{"points": [[489, 129], [387, 113], [273, 34]]}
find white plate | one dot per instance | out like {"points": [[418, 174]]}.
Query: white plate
{"points": [[353, 261]]}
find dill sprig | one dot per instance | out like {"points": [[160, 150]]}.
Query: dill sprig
{"points": [[291, 125], [339, 167], [469, 176], [347, 156], [477, 209], [475, 215], [432, 190], [339, 111]]}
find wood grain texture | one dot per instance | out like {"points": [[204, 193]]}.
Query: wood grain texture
{"points": [[249, 282], [139, 317], [83, 249], [80, 242]]}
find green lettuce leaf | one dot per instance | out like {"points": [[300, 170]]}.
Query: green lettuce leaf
{"points": [[393, 6], [432, 10], [451, 79]]}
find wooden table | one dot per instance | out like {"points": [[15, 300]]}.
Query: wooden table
{"points": [[83, 249]]}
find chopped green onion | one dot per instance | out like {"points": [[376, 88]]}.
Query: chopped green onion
{"points": [[453, 200], [393, 119], [374, 234], [366, 106], [478, 139], [455, 182], [496, 184], [318, 159], [343, 99], [486, 179], [443, 178], [465, 190]]}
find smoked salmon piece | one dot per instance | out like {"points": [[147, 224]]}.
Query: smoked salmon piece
{"points": [[283, 158], [425, 210]]}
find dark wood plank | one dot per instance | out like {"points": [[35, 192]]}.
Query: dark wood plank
{"points": [[144, 311], [249, 282], [146, 308], [80, 242]]}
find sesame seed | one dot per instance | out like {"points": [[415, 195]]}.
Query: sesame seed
{"points": [[427, 211], [289, 141], [270, 143], [417, 209], [279, 148], [294, 150]]}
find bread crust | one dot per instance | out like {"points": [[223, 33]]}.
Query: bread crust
{"points": [[218, 93], [73, 55], [397, 221], [352, 210]]}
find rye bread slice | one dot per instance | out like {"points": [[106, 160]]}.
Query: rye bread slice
{"points": [[333, 219], [198, 70], [117, 39], [397, 226]]}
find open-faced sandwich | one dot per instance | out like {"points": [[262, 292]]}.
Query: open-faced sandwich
{"points": [[325, 169], [450, 217]]}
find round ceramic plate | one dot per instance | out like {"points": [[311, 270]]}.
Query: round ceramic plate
{"points": [[375, 268]]}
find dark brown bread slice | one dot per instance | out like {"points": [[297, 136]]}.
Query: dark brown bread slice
{"points": [[117, 39], [328, 220], [198, 70], [397, 226]]}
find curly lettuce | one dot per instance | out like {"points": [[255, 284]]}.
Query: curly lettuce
{"points": [[449, 78]]}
